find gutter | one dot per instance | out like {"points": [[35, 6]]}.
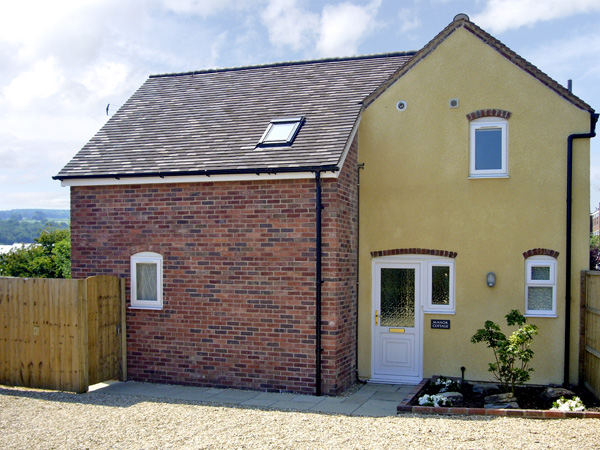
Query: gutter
{"points": [[570, 139], [319, 282], [206, 173], [359, 167]]}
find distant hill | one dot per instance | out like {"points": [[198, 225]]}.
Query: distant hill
{"points": [[32, 214], [24, 225]]}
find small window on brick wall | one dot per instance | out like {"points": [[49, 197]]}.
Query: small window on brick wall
{"points": [[540, 286], [146, 281]]}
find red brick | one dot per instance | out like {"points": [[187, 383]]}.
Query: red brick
{"points": [[239, 278]]}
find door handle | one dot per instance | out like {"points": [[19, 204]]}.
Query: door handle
{"points": [[376, 317]]}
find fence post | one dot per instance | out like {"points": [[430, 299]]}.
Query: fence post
{"points": [[582, 317], [123, 331], [82, 338]]}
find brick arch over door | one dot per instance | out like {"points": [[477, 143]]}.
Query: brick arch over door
{"points": [[413, 251]]}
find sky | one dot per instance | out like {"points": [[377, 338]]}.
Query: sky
{"points": [[63, 61]]}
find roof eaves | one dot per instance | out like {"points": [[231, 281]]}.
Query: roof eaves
{"points": [[207, 173]]}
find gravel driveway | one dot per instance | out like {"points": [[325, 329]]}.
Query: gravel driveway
{"points": [[34, 419]]}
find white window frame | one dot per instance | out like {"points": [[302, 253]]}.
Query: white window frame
{"points": [[489, 123], [540, 261], [426, 263], [147, 258], [450, 308], [267, 139]]}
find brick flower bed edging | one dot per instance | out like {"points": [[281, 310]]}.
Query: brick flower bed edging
{"points": [[406, 407]]}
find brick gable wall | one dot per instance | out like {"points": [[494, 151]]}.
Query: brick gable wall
{"points": [[340, 297], [239, 278]]}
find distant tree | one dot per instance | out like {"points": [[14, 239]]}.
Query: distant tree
{"points": [[39, 216], [25, 232], [15, 217], [49, 257]]}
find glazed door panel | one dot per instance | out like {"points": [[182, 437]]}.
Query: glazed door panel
{"points": [[397, 322]]}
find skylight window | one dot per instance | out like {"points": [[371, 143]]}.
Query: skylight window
{"points": [[281, 131]]}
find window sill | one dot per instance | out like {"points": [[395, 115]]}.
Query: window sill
{"points": [[152, 308], [447, 313], [542, 316], [479, 177]]}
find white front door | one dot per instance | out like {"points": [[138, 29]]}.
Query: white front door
{"points": [[397, 323]]}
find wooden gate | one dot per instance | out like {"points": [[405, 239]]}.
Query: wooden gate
{"points": [[589, 352], [106, 326], [62, 334]]}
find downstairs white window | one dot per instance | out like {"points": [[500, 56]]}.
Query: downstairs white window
{"points": [[440, 287], [540, 286], [146, 281]]}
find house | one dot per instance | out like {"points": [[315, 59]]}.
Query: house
{"points": [[297, 226], [595, 222]]}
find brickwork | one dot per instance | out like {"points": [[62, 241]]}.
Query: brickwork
{"points": [[413, 251], [339, 294], [540, 252], [239, 278], [489, 113]]}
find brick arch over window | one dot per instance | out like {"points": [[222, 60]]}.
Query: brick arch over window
{"points": [[489, 113], [134, 249], [413, 251], [540, 252]]}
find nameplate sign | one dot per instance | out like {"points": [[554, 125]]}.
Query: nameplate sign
{"points": [[440, 324]]}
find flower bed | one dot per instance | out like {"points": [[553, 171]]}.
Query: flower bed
{"points": [[428, 400]]}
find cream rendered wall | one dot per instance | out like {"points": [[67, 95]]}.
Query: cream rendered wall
{"points": [[415, 192]]}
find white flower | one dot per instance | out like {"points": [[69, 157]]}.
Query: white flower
{"points": [[447, 384], [434, 400], [562, 404]]}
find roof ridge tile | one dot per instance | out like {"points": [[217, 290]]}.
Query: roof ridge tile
{"points": [[287, 64]]}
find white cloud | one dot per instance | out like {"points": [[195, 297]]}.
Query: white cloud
{"points": [[41, 81], [344, 26], [54, 127], [69, 28], [502, 15], [206, 8], [336, 31], [105, 77], [408, 20], [289, 24], [215, 49], [568, 54], [57, 199]]}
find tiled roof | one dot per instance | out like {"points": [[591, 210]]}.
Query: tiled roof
{"points": [[211, 121]]}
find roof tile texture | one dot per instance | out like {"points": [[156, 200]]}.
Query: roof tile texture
{"points": [[213, 120]]}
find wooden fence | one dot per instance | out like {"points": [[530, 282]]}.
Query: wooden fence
{"points": [[589, 352], [62, 334]]}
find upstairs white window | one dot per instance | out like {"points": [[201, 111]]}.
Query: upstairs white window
{"points": [[146, 280], [540, 286], [281, 131], [488, 148]]}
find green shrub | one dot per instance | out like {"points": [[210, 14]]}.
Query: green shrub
{"points": [[512, 354]]}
